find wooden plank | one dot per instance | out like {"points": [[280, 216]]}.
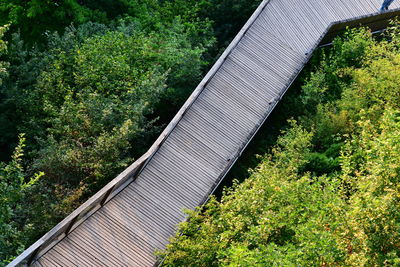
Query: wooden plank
{"points": [[158, 190], [210, 154], [211, 123], [56, 260], [277, 51], [169, 169], [148, 222], [165, 209], [264, 74], [269, 56], [377, 22], [205, 134], [283, 27], [200, 167], [231, 125], [186, 190], [107, 235], [183, 170], [133, 239], [257, 79], [73, 250], [233, 121], [318, 10], [36, 264], [395, 5]]}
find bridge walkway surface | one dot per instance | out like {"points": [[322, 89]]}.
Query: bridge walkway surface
{"points": [[136, 214]]}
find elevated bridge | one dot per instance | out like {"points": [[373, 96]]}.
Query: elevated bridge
{"points": [[136, 213]]}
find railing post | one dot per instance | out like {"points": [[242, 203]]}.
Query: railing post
{"points": [[106, 195], [33, 255], [71, 224]]}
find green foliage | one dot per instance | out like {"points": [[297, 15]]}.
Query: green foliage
{"points": [[96, 96], [320, 163], [88, 108], [23, 70], [328, 193], [50, 16], [372, 230], [228, 16], [274, 218], [329, 77], [3, 48], [14, 186], [45, 15]]}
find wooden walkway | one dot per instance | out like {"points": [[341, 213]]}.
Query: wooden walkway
{"points": [[139, 211]]}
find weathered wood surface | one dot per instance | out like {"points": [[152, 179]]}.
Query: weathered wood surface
{"points": [[137, 213]]}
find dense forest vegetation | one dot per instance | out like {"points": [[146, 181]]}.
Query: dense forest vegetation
{"points": [[328, 192], [86, 86]]}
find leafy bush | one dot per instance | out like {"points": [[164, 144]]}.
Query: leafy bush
{"points": [[87, 101], [371, 166], [14, 186], [276, 217]]}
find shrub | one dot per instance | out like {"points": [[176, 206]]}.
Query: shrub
{"points": [[14, 186]]}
